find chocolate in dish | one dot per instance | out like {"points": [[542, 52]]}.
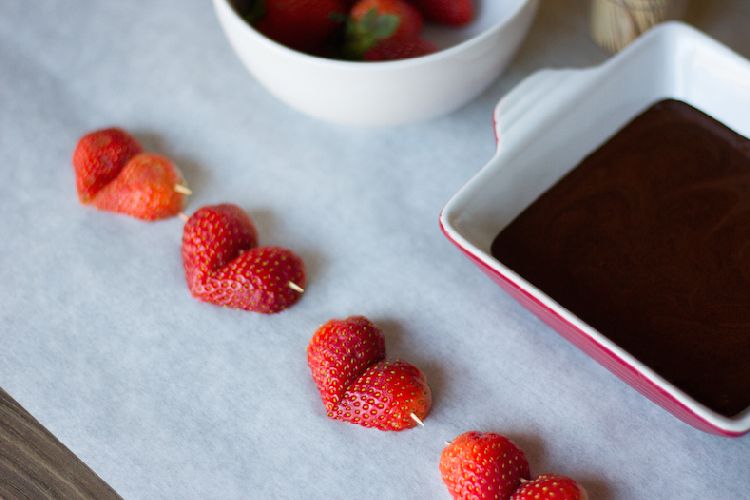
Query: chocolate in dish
{"points": [[648, 241]]}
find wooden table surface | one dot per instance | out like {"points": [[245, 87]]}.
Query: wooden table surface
{"points": [[34, 464]]}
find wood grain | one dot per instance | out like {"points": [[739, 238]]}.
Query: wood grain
{"points": [[34, 464]]}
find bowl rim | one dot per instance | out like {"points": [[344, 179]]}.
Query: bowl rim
{"points": [[372, 66], [734, 426]]}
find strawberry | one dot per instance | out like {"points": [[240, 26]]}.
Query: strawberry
{"points": [[357, 386], [339, 352], [451, 12], [98, 157], [388, 50], [303, 25], [265, 280], [144, 188], [374, 22], [212, 238], [482, 466], [223, 266], [387, 396], [408, 20], [550, 487]]}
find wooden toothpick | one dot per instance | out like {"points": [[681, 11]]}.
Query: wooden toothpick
{"points": [[416, 419], [182, 189], [294, 286]]}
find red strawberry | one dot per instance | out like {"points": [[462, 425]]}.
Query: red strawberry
{"points": [[212, 238], [357, 386], [303, 25], [223, 267], [482, 466], [98, 158], [452, 12], [408, 20], [391, 22], [265, 280], [144, 188], [387, 396], [550, 487], [339, 352], [388, 50]]}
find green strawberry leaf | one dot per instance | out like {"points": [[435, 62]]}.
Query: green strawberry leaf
{"points": [[380, 26], [362, 35]]}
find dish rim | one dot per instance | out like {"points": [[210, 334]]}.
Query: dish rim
{"points": [[728, 426]]}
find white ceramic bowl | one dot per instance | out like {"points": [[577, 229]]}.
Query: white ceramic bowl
{"points": [[548, 124], [386, 93]]}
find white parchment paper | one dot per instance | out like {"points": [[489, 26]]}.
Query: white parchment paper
{"points": [[165, 397]]}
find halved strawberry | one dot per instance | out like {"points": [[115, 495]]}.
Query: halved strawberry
{"points": [[550, 487], [264, 279], [387, 396], [212, 238], [99, 157], [339, 352], [144, 188], [482, 466]]}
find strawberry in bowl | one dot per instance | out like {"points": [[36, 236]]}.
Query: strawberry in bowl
{"points": [[377, 62], [363, 30]]}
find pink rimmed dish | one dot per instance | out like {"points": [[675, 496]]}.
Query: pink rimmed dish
{"points": [[547, 125]]}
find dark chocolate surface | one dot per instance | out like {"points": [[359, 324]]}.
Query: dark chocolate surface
{"points": [[648, 241]]}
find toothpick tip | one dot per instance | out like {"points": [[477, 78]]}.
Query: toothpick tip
{"points": [[416, 419], [294, 286], [182, 189]]}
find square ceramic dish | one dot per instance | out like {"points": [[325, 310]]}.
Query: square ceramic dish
{"points": [[548, 124]]}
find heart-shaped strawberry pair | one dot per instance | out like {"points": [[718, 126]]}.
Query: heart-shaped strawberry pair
{"points": [[113, 174], [224, 266], [346, 358], [487, 465]]}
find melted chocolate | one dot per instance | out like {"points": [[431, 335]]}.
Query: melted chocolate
{"points": [[648, 241]]}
